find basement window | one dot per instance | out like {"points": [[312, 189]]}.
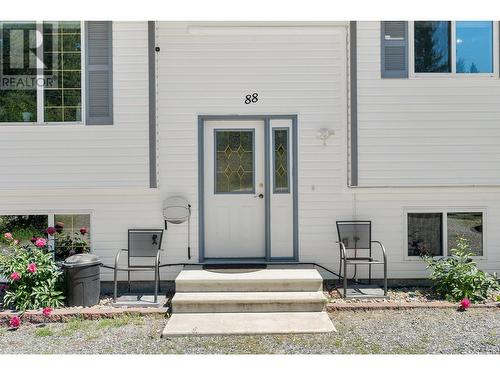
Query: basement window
{"points": [[73, 231], [436, 233]]}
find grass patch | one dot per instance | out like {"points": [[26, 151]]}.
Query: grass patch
{"points": [[121, 320], [74, 325], [43, 332]]}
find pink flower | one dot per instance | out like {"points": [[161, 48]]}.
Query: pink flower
{"points": [[83, 230], [15, 322], [32, 267], [464, 304], [47, 311], [15, 276], [8, 236], [51, 230], [33, 239], [40, 242], [16, 242]]}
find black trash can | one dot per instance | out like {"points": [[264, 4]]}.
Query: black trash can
{"points": [[82, 276]]}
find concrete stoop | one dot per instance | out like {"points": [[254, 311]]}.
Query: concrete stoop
{"points": [[247, 324], [237, 302]]}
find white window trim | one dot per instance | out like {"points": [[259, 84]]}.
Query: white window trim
{"points": [[51, 220], [443, 211], [40, 91], [453, 74]]}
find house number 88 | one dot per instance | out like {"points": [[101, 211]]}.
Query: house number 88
{"points": [[254, 98]]}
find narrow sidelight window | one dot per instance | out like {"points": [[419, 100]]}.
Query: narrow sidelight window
{"points": [[281, 161]]}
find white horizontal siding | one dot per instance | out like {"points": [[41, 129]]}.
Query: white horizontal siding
{"points": [[210, 74], [310, 81], [424, 131], [77, 156]]}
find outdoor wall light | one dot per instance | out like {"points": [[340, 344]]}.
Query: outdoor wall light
{"points": [[324, 134]]}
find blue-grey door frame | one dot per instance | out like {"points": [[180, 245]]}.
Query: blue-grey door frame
{"points": [[201, 187]]}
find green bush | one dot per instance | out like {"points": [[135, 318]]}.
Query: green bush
{"points": [[457, 276], [34, 280]]}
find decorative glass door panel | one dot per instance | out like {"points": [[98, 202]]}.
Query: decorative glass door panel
{"points": [[234, 162]]}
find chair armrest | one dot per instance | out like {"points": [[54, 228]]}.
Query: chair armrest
{"points": [[342, 249], [158, 253], [117, 258], [383, 250]]}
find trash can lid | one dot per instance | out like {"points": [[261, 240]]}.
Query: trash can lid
{"points": [[81, 260]]}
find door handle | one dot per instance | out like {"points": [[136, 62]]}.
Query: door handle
{"points": [[260, 196]]}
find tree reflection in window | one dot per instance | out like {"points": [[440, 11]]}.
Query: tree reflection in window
{"points": [[432, 47]]}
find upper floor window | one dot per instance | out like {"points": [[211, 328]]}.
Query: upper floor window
{"points": [[453, 47], [40, 72]]}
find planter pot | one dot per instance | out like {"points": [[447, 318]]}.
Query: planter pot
{"points": [[27, 116]]}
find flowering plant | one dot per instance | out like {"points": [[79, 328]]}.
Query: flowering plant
{"points": [[457, 277], [14, 322], [33, 277], [68, 244], [464, 304]]}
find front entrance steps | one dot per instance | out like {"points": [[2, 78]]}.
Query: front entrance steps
{"points": [[247, 324], [234, 302], [248, 301]]}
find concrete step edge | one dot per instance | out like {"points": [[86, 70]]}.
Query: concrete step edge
{"points": [[244, 323], [248, 297]]}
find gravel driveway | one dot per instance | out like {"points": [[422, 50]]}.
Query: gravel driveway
{"points": [[398, 332]]}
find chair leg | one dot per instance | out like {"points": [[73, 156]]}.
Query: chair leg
{"points": [[159, 281], [385, 279], [340, 268], [156, 282], [115, 289], [345, 279], [128, 272]]}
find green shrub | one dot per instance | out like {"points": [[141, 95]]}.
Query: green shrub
{"points": [[457, 276], [33, 277]]}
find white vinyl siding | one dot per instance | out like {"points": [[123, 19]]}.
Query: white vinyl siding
{"points": [[425, 130], [207, 69], [78, 156]]}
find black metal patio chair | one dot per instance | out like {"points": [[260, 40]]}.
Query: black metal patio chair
{"points": [[142, 244], [355, 237]]}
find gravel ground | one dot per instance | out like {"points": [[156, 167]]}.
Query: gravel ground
{"points": [[443, 331], [398, 295]]}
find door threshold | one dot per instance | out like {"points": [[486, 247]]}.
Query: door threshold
{"points": [[225, 261]]}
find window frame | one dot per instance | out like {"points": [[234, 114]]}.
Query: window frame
{"points": [[453, 52], [40, 96], [51, 221], [444, 211]]}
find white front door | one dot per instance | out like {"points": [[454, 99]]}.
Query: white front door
{"points": [[234, 163]]}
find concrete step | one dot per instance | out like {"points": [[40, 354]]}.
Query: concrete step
{"points": [[232, 302], [262, 280], [247, 324]]}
